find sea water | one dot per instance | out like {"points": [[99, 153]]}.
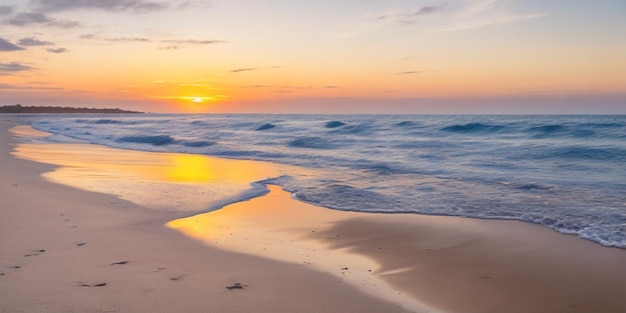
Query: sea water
{"points": [[567, 173]]}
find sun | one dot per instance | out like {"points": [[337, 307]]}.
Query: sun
{"points": [[197, 100]]}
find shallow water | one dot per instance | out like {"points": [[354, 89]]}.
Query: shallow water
{"points": [[565, 172]]}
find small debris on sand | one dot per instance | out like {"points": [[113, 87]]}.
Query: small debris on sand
{"points": [[83, 284], [235, 286]]}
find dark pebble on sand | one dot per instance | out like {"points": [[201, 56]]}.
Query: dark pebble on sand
{"points": [[235, 286]]}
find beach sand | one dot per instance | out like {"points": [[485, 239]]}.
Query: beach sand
{"points": [[64, 250], [333, 261]]}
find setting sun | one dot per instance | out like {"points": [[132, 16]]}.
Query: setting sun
{"points": [[197, 100]]}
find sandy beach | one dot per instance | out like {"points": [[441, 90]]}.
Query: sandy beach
{"points": [[66, 249]]}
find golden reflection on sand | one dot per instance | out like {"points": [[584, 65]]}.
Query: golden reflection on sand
{"points": [[168, 181], [278, 227], [27, 131]]}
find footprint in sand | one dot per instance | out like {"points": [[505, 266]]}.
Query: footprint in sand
{"points": [[236, 286], [83, 284], [178, 278], [35, 253]]}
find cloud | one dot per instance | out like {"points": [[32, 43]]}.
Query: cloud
{"points": [[193, 4], [453, 16], [414, 16], [6, 10], [135, 6], [87, 36], [13, 67], [31, 41], [7, 46], [410, 16], [486, 13], [239, 70], [16, 87], [57, 51], [178, 44], [36, 18], [170, 48], [175, 43], [127, 39], [408, 73], [243, 70], [193, 42]]}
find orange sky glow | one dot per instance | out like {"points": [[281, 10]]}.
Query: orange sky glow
{"points": [[461, 56]]}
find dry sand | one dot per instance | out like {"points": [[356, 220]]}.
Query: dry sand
{"points": [[452, 264]]}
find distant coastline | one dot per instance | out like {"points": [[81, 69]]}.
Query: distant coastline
{"points": [[17, 109]]}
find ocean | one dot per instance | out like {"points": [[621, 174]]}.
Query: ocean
{"points": [[567, 173]]}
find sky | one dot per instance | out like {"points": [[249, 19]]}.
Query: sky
{"points": [[291, 56]]}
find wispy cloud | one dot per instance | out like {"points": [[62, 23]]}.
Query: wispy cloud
{"points": [[174, 43], [179, 44], [57, 50], [452, 16], [243, 70], [13, 67], [113, 39], [31, 41], [127, 39], [486, 13], [247, 69], [135, 6], [279, 87], [194, 4], [18, 87], [410, 16], [37, 18], [5, 45], [408, 73], [193, 42]]}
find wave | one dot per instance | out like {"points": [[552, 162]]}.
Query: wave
{"points": [[602, 125], [311, 143], [158, 140], [334, 124], [589, 153], [101, 121], [266, 126], [473, 128], [198, 144], [547, 128], [405, 124], [360, 129]]}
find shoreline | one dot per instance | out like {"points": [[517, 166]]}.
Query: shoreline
{"points": [[65, 249], [456, 264]]}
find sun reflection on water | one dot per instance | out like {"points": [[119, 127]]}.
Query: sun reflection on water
{"points": [[169, 181]]}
